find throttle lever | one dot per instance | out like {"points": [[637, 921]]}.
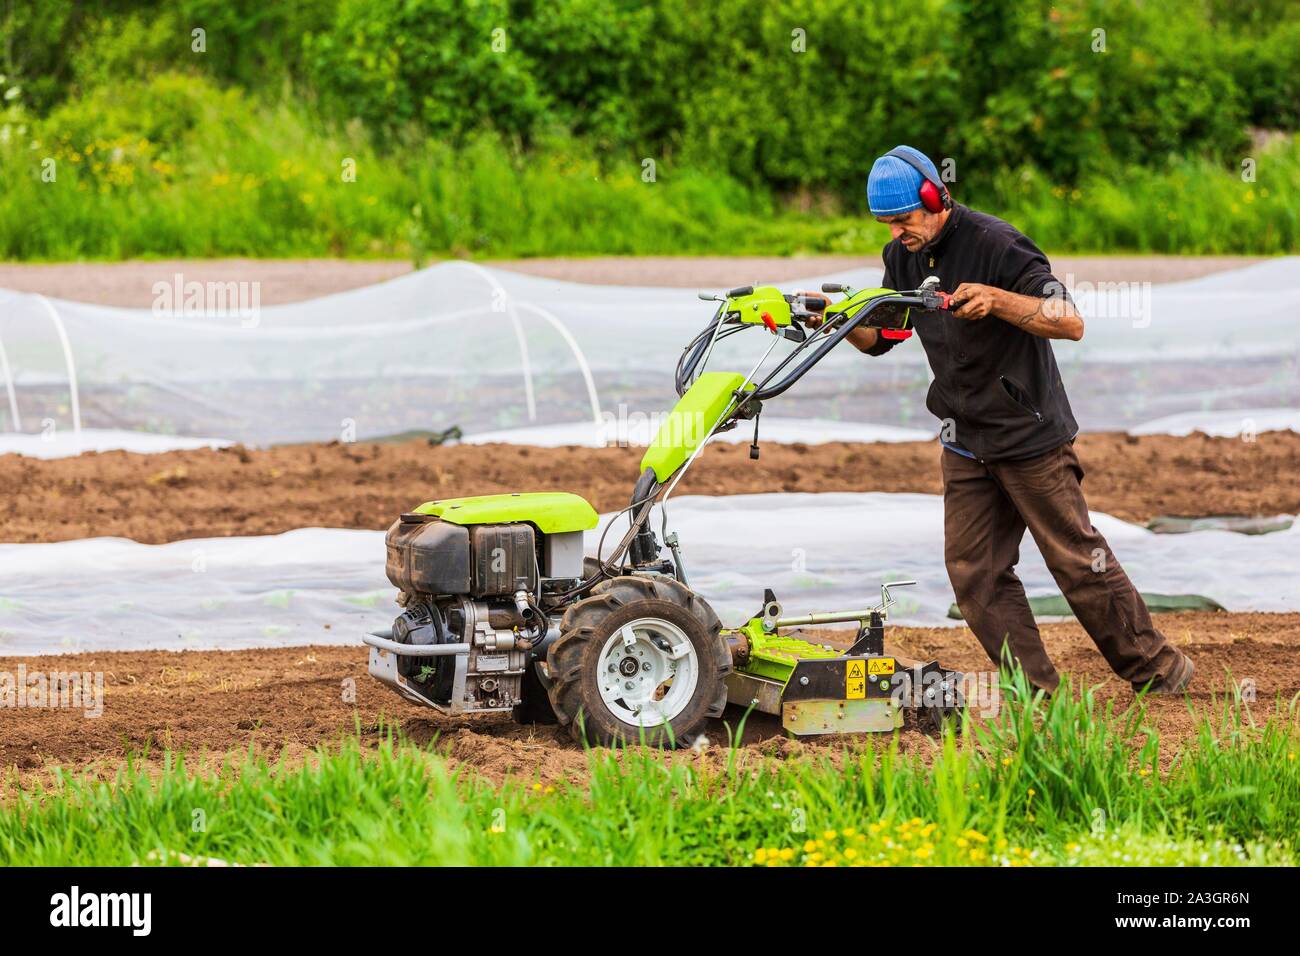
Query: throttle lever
{"points": [[937, 300]]}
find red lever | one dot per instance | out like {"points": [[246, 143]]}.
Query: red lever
{"points": [[768, 321], [897, 334]]}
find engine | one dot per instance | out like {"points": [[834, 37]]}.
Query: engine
{"points": [[474, 586]]}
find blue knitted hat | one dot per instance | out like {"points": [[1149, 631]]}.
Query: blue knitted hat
{"points": [[894, 187]]}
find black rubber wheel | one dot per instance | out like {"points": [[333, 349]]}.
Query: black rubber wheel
{"points": [[588, 626]]}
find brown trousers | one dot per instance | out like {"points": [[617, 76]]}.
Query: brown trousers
{"points": [[987, 507]]}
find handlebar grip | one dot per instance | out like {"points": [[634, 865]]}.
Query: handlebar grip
{"points": [[742, 290], [832, 287]]}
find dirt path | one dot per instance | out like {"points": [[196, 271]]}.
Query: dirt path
{"points": [[130, 284], [206, 493], [291, 700]]}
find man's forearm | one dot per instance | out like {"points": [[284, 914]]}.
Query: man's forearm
{"points": [[1054, 317], [863, 338]]}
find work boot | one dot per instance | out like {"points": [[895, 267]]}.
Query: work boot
{"points": [[1175, 682]]}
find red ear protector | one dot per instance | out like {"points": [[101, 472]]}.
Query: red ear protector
{"points": [[933, 194]]}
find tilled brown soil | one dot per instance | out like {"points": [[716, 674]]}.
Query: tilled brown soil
{"points": [[289, 701], [207, 493]]}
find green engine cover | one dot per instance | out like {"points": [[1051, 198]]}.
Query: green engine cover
{"points": [[553, 512]]}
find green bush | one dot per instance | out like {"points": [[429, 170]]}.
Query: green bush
{"points": [[720, 84], [1191, 206], [792, 94], [761, 120], [178, 166], [444, 64], [1266, 68]]}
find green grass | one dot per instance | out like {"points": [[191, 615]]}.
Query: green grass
{"points": [[1070, 782], [1188, 206], [178, 167]]}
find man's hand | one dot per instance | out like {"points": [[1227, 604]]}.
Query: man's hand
{"points": [[860, 338], [815, 319], [974, 301]]}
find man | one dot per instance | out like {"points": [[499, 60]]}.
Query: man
{"points": [[1007, 430]]}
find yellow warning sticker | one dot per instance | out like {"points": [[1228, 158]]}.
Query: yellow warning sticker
{"points": [[880, 665], [855, 681]]}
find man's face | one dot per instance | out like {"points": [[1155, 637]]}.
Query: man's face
{"points": [[914, 229]]}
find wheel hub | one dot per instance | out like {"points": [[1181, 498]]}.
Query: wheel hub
{"points": [[648, 672]]}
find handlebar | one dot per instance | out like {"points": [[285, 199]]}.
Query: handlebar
{"points": [[769, 389], [924, 299]]}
